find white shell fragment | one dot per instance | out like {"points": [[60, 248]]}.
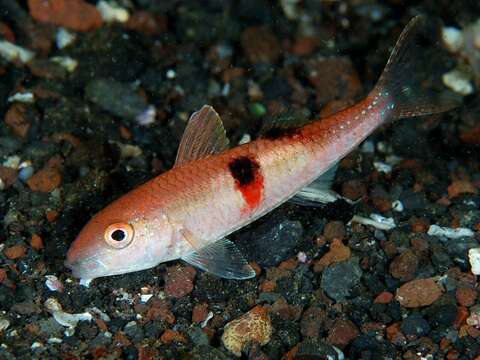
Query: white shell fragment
{"points": [[111, 12], [63, 38], [145, 297], [397, 205], [453, 38], [53, 284], [147, 117], [474, 258], [382, 167], [64, 318], [4, 324], [376, 220], [207, 319], [435, 230], [245, 139], [458, 81], [66, 62], [85, 282], [27, 97], [11, 52]]}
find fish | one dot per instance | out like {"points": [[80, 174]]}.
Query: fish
{"points": [[213, 189]]}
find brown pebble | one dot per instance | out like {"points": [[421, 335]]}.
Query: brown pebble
{"points": [[179, 281], [333, 78], [160, 310], [384, 298], [15, 251], [254, 326], [404, 266], [461, 187], [101, 324], [77, 15], [199, 313], [471, 136], [304, 45], [45, 180], [18, 119], [268, 286], [420, 292], [419, 225], [6, 32], [36, 242], [8, 176], [420, 244], [313, 322], [462, 315], [334, 230], [395, 335], [338, 252], [466, 296], [170, 336], [51, 215], [147, 23], [289, 264], [286, 311], [354, 189], [260, 45], [342, 333]]}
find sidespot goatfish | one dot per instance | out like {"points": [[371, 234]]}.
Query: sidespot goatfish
{"points": [[188, 212]]}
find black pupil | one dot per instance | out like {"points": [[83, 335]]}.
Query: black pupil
{"points": [[118, 235]]}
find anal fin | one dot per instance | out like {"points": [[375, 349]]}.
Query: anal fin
{"points": [[319, 192]]}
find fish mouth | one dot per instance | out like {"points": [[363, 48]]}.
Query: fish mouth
{"points": [[84, 266]]}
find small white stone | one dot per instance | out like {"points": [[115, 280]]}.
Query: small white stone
{"points": [[435, 230], [376, 220], [85, 282], [458, 81], [36, 345], [53, 284], [64, 38], [111, 12], [397, 206], [68, 63], [246, 138], [171, 74], [27, 97], [147, 117], [11, 52], [12, 162], [382, 167], [474, 258], [4, 324], [452, 38], [145, 297]]}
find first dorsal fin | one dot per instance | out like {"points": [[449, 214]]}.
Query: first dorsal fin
{"points": [[203, 136]]}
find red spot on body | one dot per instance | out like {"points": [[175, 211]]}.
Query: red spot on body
{"points": [[248, 180], [253, 192]]}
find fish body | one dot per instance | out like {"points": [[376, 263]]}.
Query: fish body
{"points": [[188, 212]]}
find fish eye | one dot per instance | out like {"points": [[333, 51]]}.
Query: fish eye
{"points": [[119, 235]]}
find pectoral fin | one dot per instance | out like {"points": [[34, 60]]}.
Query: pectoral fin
{"points": [[221, 258]]}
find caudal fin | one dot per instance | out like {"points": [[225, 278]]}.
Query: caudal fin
{"points": [[409, 70]]}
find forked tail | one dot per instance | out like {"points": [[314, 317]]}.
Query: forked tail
{"points": [[408, 70]]}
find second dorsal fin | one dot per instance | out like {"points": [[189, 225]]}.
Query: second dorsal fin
{"points": [[203, 136], [283, 125]]}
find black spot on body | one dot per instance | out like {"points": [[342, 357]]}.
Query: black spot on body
{"points": [[243, 170], [279, 133]]}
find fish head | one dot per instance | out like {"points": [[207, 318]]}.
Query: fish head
{"points": [[116, 242]]}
